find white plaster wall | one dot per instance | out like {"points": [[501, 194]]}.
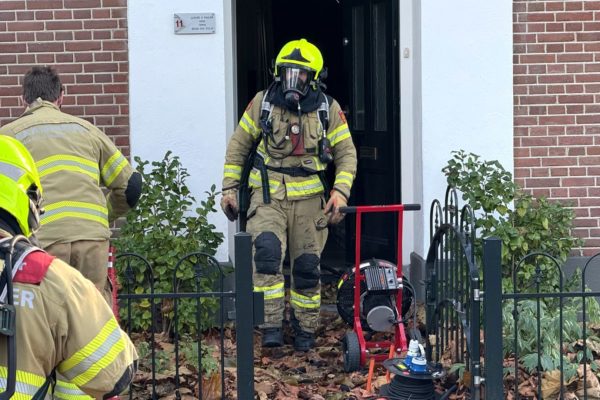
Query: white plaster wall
{"points": [[465, 57], [180, 91], [456, 93]]}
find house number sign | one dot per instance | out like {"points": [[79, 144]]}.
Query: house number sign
{"points": [[194, 23]]}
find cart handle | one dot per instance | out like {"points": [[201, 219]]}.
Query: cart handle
{"points": [[367, 209]]}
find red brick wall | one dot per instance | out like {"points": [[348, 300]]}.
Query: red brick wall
{"points": [[86, 41], [557, 106]]}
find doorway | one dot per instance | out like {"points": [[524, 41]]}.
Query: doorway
{"points": [[359, 43]]}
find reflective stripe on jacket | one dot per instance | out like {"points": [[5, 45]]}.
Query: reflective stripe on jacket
{"points": [[282, 185]]}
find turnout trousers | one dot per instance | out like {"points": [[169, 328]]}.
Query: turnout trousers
{"points": [[90, 257], [301, 226]]}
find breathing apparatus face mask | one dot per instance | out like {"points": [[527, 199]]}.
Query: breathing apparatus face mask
{"points": [[295, 83]]}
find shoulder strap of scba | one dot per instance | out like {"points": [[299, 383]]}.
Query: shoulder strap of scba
{"points": [[17, 252], [22, 248], [266, 109]]}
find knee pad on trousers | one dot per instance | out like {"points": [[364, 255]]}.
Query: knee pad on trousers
{"points": [[306, 271], [267, 255]]}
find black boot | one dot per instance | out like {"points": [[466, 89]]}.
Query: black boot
{"points": [[272, 337], [304, 341]]}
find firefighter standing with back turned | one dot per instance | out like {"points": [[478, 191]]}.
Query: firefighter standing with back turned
{"points": [[53, 321], [297, 131], [74, 159]]}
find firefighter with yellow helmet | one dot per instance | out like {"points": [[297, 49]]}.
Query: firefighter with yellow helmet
{"points": [[53, 320], [75, 160], [285, 140]]}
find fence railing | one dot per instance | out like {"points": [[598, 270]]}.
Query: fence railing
{"points": [[547, 320], [165, 310]]}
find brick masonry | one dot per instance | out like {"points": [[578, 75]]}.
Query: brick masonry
{"points": [[86, 41], [557, 107], [556, 85]]}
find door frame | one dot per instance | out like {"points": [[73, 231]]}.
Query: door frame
{"points": [[409, 79]]}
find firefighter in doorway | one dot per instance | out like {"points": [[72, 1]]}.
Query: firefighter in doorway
{"points": [[54, 322], [75, 160], [285, 140]]}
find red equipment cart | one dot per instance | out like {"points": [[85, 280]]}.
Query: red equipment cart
{"points": [[376, 284]]}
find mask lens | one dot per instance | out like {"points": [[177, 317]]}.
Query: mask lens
{"points": [[295, 80]]}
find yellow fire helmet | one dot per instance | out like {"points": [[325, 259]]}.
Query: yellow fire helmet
{"points": [[20, 187], [300, 53]]}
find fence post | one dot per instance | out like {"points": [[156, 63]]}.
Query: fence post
{"points": [[244, 311], [492, 317]]}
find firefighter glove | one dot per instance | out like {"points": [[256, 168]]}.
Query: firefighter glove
{"points": [[336, 200], [229, 204]]}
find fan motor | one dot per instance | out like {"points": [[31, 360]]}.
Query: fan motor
{"points": [[378, 290]]}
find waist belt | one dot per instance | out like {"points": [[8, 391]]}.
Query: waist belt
{"points": [[293, 171]]}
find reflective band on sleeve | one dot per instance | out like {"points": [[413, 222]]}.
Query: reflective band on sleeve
{"points": [[232, 171], [248, 125], [62, 162], [113, 168], [11, 171], [305, 301], [69, 391], [74, 209], [272, 292], [84, 365], [344, 178], [340, 133], [27, 384]]}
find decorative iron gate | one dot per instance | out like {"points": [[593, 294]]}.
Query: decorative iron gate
{"points": [[453, 291], [466, 304], [249, 312]]}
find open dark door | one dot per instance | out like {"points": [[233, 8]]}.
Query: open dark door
{"points": [[358, 41], [371, 64]]}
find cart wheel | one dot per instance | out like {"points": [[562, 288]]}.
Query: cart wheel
{"points": [[351, 348]]}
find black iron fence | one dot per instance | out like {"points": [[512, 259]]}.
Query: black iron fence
{"points": [[536, 325], [453, 289], [179, 315], [546, 331]]}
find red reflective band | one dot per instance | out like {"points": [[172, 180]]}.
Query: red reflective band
{"points": [[34, 267]]}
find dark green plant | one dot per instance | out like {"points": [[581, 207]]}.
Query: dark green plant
{"points": [[164, 228], [522, 222], [189, 350], [549, 331], [162, 359]]}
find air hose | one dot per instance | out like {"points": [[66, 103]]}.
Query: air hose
{"points": [[407, 387]]}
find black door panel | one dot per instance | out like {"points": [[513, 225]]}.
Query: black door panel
{"points": [[372, 74]]}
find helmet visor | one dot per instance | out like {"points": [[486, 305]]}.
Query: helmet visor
{"points": [[295, 79]]}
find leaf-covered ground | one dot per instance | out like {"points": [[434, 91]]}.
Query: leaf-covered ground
{"points": [[279, 373]]}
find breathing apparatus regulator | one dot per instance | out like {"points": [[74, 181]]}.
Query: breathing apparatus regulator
{"points": [[299, 68]]}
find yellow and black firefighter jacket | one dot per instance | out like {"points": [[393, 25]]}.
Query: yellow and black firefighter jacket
{"points": [[283, 153], [64, 325], [74, 159]]}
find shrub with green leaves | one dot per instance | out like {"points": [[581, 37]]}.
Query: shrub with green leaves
{"points": [[163, 228], [526, 224], [522, 222]]}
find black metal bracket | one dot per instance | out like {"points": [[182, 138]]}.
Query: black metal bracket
{"points": [[7, 320]]}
